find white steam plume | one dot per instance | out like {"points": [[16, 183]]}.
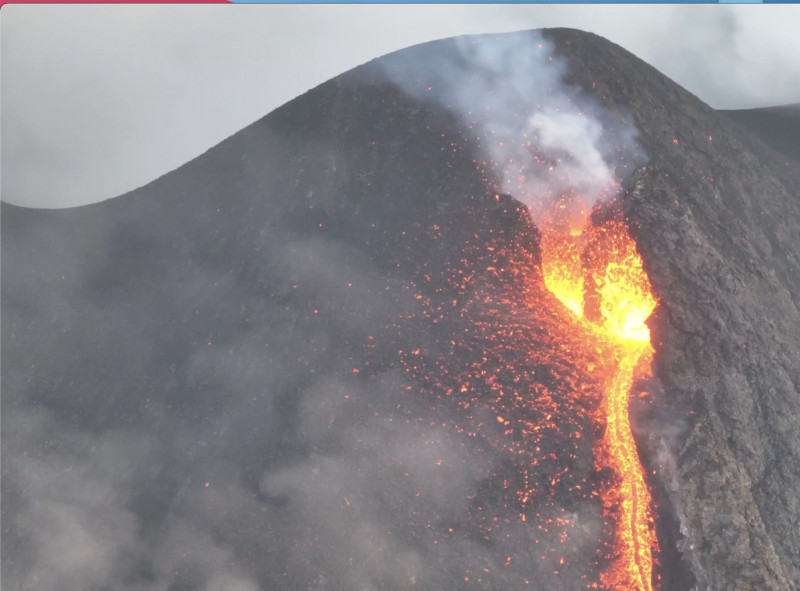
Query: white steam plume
{"points": [[539, 138]]}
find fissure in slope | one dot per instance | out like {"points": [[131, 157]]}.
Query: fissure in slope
{"points": [[555, 380], [546, 388], [597, 273]]}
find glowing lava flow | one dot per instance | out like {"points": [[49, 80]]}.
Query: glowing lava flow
{"points": [[510, 373], [598, 275]]}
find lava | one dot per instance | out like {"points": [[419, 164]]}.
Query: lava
{"points": [[516, 375], [598, 275]]}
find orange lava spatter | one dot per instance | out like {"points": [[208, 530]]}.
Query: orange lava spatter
{"points": [[512, 374], [599, 276]]}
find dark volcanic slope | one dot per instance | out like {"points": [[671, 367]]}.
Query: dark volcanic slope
{"points": [[778, 127], [205, 381], [190, 350]]}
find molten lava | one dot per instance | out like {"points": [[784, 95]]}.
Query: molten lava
{"points": [[514, 375], [599, 275]]}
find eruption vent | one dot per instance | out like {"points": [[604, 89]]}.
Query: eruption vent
{"points": [[597, 273], [542, 387], [545, 388]]}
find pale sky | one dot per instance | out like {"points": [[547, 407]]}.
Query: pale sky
{"points": [[97, 100]]}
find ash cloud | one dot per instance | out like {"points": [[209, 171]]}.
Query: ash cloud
{"points": [[541, 138]]}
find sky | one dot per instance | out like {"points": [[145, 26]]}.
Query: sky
{"points": [[97, 100]]}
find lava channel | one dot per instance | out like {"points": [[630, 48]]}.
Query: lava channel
{"points": [[597, 273], [516, 374]]}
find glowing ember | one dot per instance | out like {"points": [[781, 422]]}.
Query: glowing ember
{"points": [[605, 282]]}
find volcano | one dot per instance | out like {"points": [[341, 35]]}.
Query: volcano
{"points": [[332, 353]]}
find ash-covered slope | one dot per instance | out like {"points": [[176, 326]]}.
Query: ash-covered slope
{"points": [[201, 379], [211, 382]]}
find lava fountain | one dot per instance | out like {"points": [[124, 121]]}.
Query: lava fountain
{"points": [[597, 273]]}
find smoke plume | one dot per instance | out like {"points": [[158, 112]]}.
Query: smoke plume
{"points": [[541, 139]]}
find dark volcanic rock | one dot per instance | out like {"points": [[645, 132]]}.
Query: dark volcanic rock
{"points": [[210, 382], [778, 127]]}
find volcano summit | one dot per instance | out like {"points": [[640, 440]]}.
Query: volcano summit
{"points": [[395, 335]]}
